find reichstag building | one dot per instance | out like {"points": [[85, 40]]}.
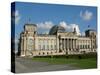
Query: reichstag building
{"points": [[57, 42]]}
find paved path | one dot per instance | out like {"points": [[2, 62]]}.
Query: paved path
{"points": [[25, 65]]}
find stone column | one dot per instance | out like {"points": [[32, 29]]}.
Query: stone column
{"points": [[67, 43], [76, 43], [73, 44], [61, 44], [64, 44]]}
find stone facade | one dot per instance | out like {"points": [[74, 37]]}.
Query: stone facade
{"points": [[56, 43]]}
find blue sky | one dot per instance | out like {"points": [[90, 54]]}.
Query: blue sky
{"points": [[48, 15]]}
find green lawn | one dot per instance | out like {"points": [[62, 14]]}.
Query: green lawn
{"points": [[84, 63]]}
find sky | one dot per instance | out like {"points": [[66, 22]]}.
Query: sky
{"points": [[47, 15]]}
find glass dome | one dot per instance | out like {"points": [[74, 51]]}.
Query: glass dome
{"points": [[56, 29]]}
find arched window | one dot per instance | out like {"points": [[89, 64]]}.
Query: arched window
{"points": [[39, 53], [43, 53], [47, 53]]}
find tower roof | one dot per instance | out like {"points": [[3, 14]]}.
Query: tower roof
{"points": [[30, 24]]}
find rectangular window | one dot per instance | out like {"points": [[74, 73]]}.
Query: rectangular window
{"points": [[55, 47], [39, 47], [83, 46], [80, 46], [47, 47], [51, 47], [88, 46], [43, 47]]}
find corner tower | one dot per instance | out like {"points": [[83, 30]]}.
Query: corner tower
{"points": [[27, 39]]}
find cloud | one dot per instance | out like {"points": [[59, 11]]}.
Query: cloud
{"points": [[46, 26], [70, 27], [15, 17], [87, 15], [63, 24], [83, 33]]}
